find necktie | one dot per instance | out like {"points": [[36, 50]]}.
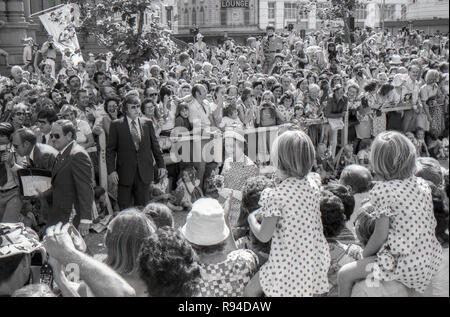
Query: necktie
{"points": [[3, 174], [31, 163], [135, 135], [44, 141]]}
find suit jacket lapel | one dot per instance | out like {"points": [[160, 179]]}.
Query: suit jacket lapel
{"points": [[62, 160], [127, 131]]}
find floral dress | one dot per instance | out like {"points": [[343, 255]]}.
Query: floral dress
{"points": [[436, 110], [411, 253], [299, 256], [235, 175], [286, 114], [228, 278]]}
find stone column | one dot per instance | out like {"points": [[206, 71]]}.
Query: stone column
{"points": [[15, 10], [27, 8], [3, 16], [279, 15]]}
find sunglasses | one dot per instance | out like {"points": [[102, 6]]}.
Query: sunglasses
{"points": [[55, 136], [152, 95], [20, 113]]}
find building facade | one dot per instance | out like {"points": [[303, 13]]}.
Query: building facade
{"points": [[216, 18]]}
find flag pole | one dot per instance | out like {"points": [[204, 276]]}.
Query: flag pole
{"points": [[47, 10]]}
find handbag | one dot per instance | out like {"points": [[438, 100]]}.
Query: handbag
{"points": [[422, 122]]}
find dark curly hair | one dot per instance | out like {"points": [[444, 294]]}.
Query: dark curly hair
{"points": [[168, 265], [332, 212], [345, 195], [441, 213]]}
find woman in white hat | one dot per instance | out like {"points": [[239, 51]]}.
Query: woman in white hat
{"points": [[224, 270], [237, 168]]}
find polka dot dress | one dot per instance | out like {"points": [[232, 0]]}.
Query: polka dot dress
{"points": [[411, 254], [299, 256]]}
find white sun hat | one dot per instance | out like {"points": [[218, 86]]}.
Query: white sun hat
{"points": [[205, 223]]}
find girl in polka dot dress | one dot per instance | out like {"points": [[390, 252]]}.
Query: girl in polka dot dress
{"points": [[299, 256], [403, 246]]}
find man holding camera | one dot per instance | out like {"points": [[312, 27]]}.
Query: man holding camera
{"points": [[10, 201], [49, 50]]}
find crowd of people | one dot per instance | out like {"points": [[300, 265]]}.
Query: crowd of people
{"points": [[349, 199]]}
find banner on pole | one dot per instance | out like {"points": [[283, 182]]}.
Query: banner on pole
{"points": [[60, 24]]}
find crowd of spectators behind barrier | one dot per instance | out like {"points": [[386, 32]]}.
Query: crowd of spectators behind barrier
{"points": [[360, 121]]}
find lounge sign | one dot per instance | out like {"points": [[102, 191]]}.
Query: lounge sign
{"points": [[235, 3]]}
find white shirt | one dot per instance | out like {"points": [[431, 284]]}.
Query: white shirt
{"points": [[199, 112], [138, 125]]}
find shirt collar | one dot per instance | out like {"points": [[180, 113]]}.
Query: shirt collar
{"points": [[131, 120], [32, 152], [65, 148]]}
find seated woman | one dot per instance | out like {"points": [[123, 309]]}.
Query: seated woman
{"points": [[225, 271], [124, 238]]}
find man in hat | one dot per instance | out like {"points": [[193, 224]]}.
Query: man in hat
{"points": [[270, 45]]}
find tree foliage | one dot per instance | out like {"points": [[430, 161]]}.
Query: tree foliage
{"points": [[118, 25]]}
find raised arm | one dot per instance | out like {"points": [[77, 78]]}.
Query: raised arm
{"points": [[101, 279]]}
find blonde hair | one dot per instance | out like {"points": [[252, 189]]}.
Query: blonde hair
{"points": [[293, 153], [124, 238], [432, 74], [393, 156]]}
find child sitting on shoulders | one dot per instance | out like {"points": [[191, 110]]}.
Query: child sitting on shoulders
{"points": [[299, 258], [404, 245]]}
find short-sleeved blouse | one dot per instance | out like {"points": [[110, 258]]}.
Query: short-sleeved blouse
{"points": [[411, 253], [299, 256]]}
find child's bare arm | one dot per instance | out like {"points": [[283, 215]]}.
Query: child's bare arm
{"points": [[264, 231], [378, 237]]}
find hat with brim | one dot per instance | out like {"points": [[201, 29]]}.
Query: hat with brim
{"points": [[396, 60], [205, 223], [15, 239], [199, 35]]}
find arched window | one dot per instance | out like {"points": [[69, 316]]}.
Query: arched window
{"points": [[186, 17], [194, 16], [202, 16]]}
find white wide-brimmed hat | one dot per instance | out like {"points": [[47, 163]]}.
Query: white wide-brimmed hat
{"points": [[396, 60], [205, 223]]}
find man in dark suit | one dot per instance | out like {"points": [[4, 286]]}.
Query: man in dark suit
{"points": [[132, 148], [72, 179], [39, 155]]}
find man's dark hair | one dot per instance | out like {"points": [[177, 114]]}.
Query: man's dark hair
{"points": [[26, 134], [332, 213], [168, 265], [8, 266], [344, 195], [98, 74], [67, 126], [195, 89], [6, 129], [48, 114], [257, 83], [165, 91]]}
